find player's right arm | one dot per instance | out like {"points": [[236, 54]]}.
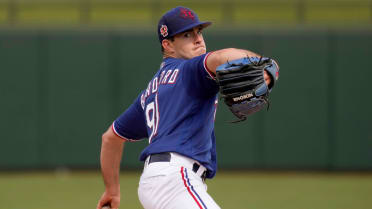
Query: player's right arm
{"points": [[129, 126], [111, 153], [220, 57]]}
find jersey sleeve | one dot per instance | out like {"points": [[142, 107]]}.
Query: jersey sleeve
{"points": [[198, 78], [131, 124]]}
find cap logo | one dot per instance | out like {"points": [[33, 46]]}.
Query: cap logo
{"points": [[164, 31], [185, 13]]}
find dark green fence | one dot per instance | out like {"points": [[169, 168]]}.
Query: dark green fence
{"points": [[60, 90]]}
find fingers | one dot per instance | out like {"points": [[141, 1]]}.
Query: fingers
{"points": [[108, 202], [101, 205], [107, 207], [104, 201], [115, 203], [267, 78]]}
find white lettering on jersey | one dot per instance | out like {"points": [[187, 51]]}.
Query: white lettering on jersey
{"points": [[166, 77], [143, 101], [148, 89], [154, 85], [161, 76], [157, 115], [152, 117], [173, 77]]}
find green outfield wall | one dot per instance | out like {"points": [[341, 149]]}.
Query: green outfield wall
{"points": [[60, 90]]}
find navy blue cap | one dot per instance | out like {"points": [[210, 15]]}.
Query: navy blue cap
{"points": [[178, 20]]}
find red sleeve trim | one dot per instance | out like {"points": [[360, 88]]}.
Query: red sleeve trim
{"points": [[206, 67], [116, 133]]}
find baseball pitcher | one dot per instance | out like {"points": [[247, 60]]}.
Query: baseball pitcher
{"points": [[175, 112]]}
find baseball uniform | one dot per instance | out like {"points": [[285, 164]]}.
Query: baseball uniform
{"points": [[176, 113]]}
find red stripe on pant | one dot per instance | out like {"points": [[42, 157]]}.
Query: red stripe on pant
{"points": [[188, 189]]}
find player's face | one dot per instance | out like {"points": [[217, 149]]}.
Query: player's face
{"points": [[189, 44]]}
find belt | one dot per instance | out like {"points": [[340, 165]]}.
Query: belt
{"points": [[166, 157]]}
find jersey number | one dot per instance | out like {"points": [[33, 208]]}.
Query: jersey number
{"points": [[152, 117]]}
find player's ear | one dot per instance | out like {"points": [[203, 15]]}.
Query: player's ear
{"points": [[167, 46]]}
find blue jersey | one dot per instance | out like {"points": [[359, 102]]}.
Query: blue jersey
{"points": [[175, 112]]}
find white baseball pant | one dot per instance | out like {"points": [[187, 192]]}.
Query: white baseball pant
{"points": [[174, 185]]}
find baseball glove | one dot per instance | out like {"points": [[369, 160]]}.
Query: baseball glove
{"points": [[242, 84]]}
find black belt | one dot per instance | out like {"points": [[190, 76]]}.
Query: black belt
{"points": [[166, 157]]}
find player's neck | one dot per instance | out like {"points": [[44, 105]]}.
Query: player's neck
{"points": [[165, 56], [168, 54]]}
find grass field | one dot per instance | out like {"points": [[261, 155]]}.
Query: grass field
{"points": [[238, 190]]}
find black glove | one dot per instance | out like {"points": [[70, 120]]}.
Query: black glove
{"points": [[242, 84]]}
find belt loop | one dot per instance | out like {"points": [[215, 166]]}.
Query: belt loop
{"points": [[204, 176], [195, 167]]}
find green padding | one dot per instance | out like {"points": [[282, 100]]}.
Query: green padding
{"points": [[78, 97], [19, 90], [60, 91], [353, 101], [295, 133]]}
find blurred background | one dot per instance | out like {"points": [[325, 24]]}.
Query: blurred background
{"points": [[70, 67]]}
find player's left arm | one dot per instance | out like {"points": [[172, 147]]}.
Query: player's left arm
{"points": [[222, 56]]}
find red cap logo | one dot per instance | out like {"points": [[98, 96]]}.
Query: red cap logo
{"points": [[164, 30], [185, 13]]}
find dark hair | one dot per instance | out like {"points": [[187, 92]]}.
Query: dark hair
{"points": [[161, 45]]}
